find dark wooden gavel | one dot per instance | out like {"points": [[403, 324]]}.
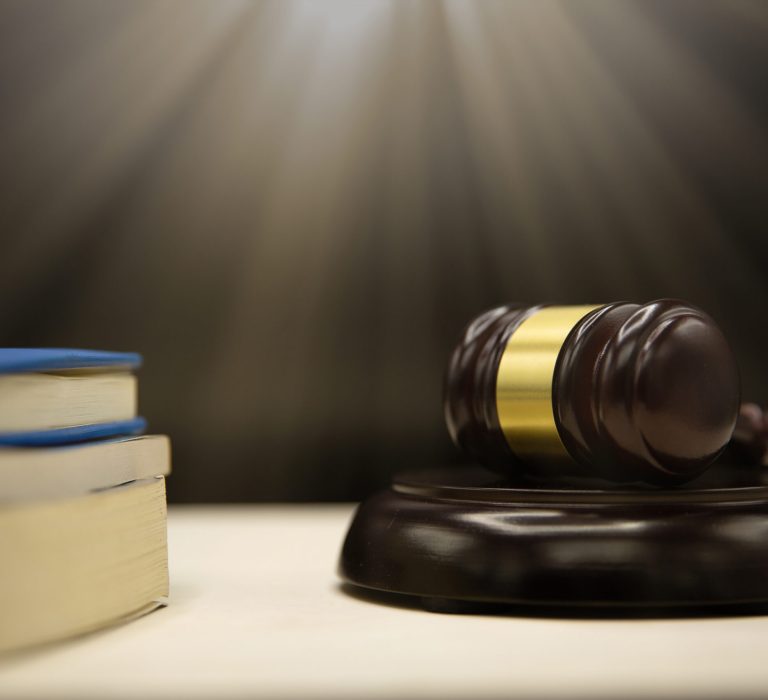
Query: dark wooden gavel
{"points": [[626, 392]]}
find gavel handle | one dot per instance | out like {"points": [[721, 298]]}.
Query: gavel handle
{"points": [[749, 443]]}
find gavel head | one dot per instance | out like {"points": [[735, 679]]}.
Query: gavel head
{"points": [[626, 392]]}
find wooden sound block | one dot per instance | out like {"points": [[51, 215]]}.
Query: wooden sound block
{"points": [[463, 536]]}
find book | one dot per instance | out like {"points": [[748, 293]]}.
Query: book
{"points": [[58, 395], [82, 496], [70, 470], [73, 565]]}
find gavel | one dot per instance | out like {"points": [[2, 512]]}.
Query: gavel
{"points": [[622, 391]]}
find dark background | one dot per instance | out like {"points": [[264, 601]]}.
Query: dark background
{"points": [[292, 208]]}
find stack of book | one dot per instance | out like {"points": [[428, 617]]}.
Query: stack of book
{"points": [[82, 496]]}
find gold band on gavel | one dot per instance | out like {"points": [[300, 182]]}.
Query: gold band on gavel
{"points": [[524, 382]]}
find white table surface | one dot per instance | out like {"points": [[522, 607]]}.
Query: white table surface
{"points": [[256, 611]]}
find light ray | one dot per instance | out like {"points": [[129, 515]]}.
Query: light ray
{"points": [[291, 206]]}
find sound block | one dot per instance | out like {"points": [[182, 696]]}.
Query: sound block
{"points": [[455, 538]]}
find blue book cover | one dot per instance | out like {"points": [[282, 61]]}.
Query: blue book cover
{"points": [[26, 360], [16, 360], [75, 433]]}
